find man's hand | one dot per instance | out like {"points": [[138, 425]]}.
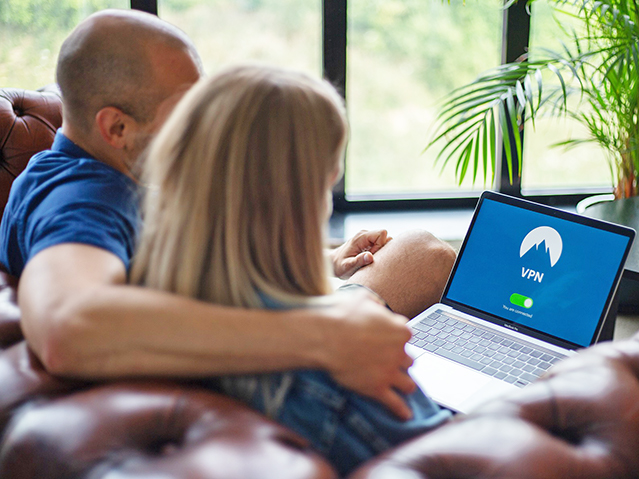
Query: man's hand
{"points": [[357, 252], [365, 348]]}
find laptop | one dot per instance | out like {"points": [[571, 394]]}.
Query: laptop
{"points": [[531, 285]]}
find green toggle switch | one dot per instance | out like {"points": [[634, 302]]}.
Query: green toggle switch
{"points": [[521, 300]]}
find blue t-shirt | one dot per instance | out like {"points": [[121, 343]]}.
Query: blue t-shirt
{"points": [[64, 195]]}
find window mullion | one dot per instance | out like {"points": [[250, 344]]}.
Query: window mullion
{"points": [[149, 6], [515, 41], [334, 25]]}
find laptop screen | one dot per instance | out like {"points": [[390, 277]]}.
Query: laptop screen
{"points": [[547, 270]]}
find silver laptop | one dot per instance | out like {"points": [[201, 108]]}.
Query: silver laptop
{"points": [[531, 284]]}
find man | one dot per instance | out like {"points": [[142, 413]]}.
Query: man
{"points": [[69, 231]]}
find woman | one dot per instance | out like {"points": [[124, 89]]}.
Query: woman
{"points": [[240, 191]]}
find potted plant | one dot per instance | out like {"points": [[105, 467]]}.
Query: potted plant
{"points": [[597, 73]]}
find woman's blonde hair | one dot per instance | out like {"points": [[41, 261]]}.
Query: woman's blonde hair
{"points": [[238, 178]]}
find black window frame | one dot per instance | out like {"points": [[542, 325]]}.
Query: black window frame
{"points": [[515, 41]]}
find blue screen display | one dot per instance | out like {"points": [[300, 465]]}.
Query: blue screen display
{"points": [[546, 273]]}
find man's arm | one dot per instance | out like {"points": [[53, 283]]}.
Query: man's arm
{"points": [[83, 320]]}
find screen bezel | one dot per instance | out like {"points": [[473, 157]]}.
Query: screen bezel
{"points": [[629, 233]]}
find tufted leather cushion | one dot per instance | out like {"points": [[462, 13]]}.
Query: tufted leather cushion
{"points": [[28, 122], [152, 430], [580, 421], [24, 379]]}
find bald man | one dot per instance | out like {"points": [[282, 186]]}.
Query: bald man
{"points": [[70, 225]]}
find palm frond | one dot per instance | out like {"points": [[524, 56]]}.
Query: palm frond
{"points": [[597, 66]]}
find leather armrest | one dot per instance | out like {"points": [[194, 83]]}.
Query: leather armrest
{"points": [[28, 122], [579, 421]]}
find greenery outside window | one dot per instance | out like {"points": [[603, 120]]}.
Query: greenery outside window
{"points": [[546, 166], [280, 32], [31, 33], [403, 56]]}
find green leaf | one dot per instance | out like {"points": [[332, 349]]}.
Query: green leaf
{"points": [[476, 157], [484, 130], [521, 96], [456, 133], [465, 159], [468, 106], [539, 86], [493, 140], [512, 113], [563, 84], [459, 143]]}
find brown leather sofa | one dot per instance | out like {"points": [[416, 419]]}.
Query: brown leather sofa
{"points": [[580, 421]]}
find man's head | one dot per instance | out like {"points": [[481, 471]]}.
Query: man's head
{"points": [[120, 73]]}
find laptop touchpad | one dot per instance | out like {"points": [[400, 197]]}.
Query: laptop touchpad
{"points": [[448, 383]]}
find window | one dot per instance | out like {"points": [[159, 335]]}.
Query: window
{"points": [[403, 57], [281, 32], [546, 166], [357, 194], [31, 33]]}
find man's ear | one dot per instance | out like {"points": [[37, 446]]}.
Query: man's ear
{"points": [[114, 126]]}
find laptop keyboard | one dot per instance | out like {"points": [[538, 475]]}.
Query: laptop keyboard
{"points": [[513, 361]]}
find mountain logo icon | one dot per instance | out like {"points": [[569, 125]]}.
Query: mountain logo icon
{"points": [[543, 234]]}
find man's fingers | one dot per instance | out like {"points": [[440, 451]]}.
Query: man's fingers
{"points": [[350, 265], [395, 404], [376, 240], [363, 259], [404, 383], [407, 362]]}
